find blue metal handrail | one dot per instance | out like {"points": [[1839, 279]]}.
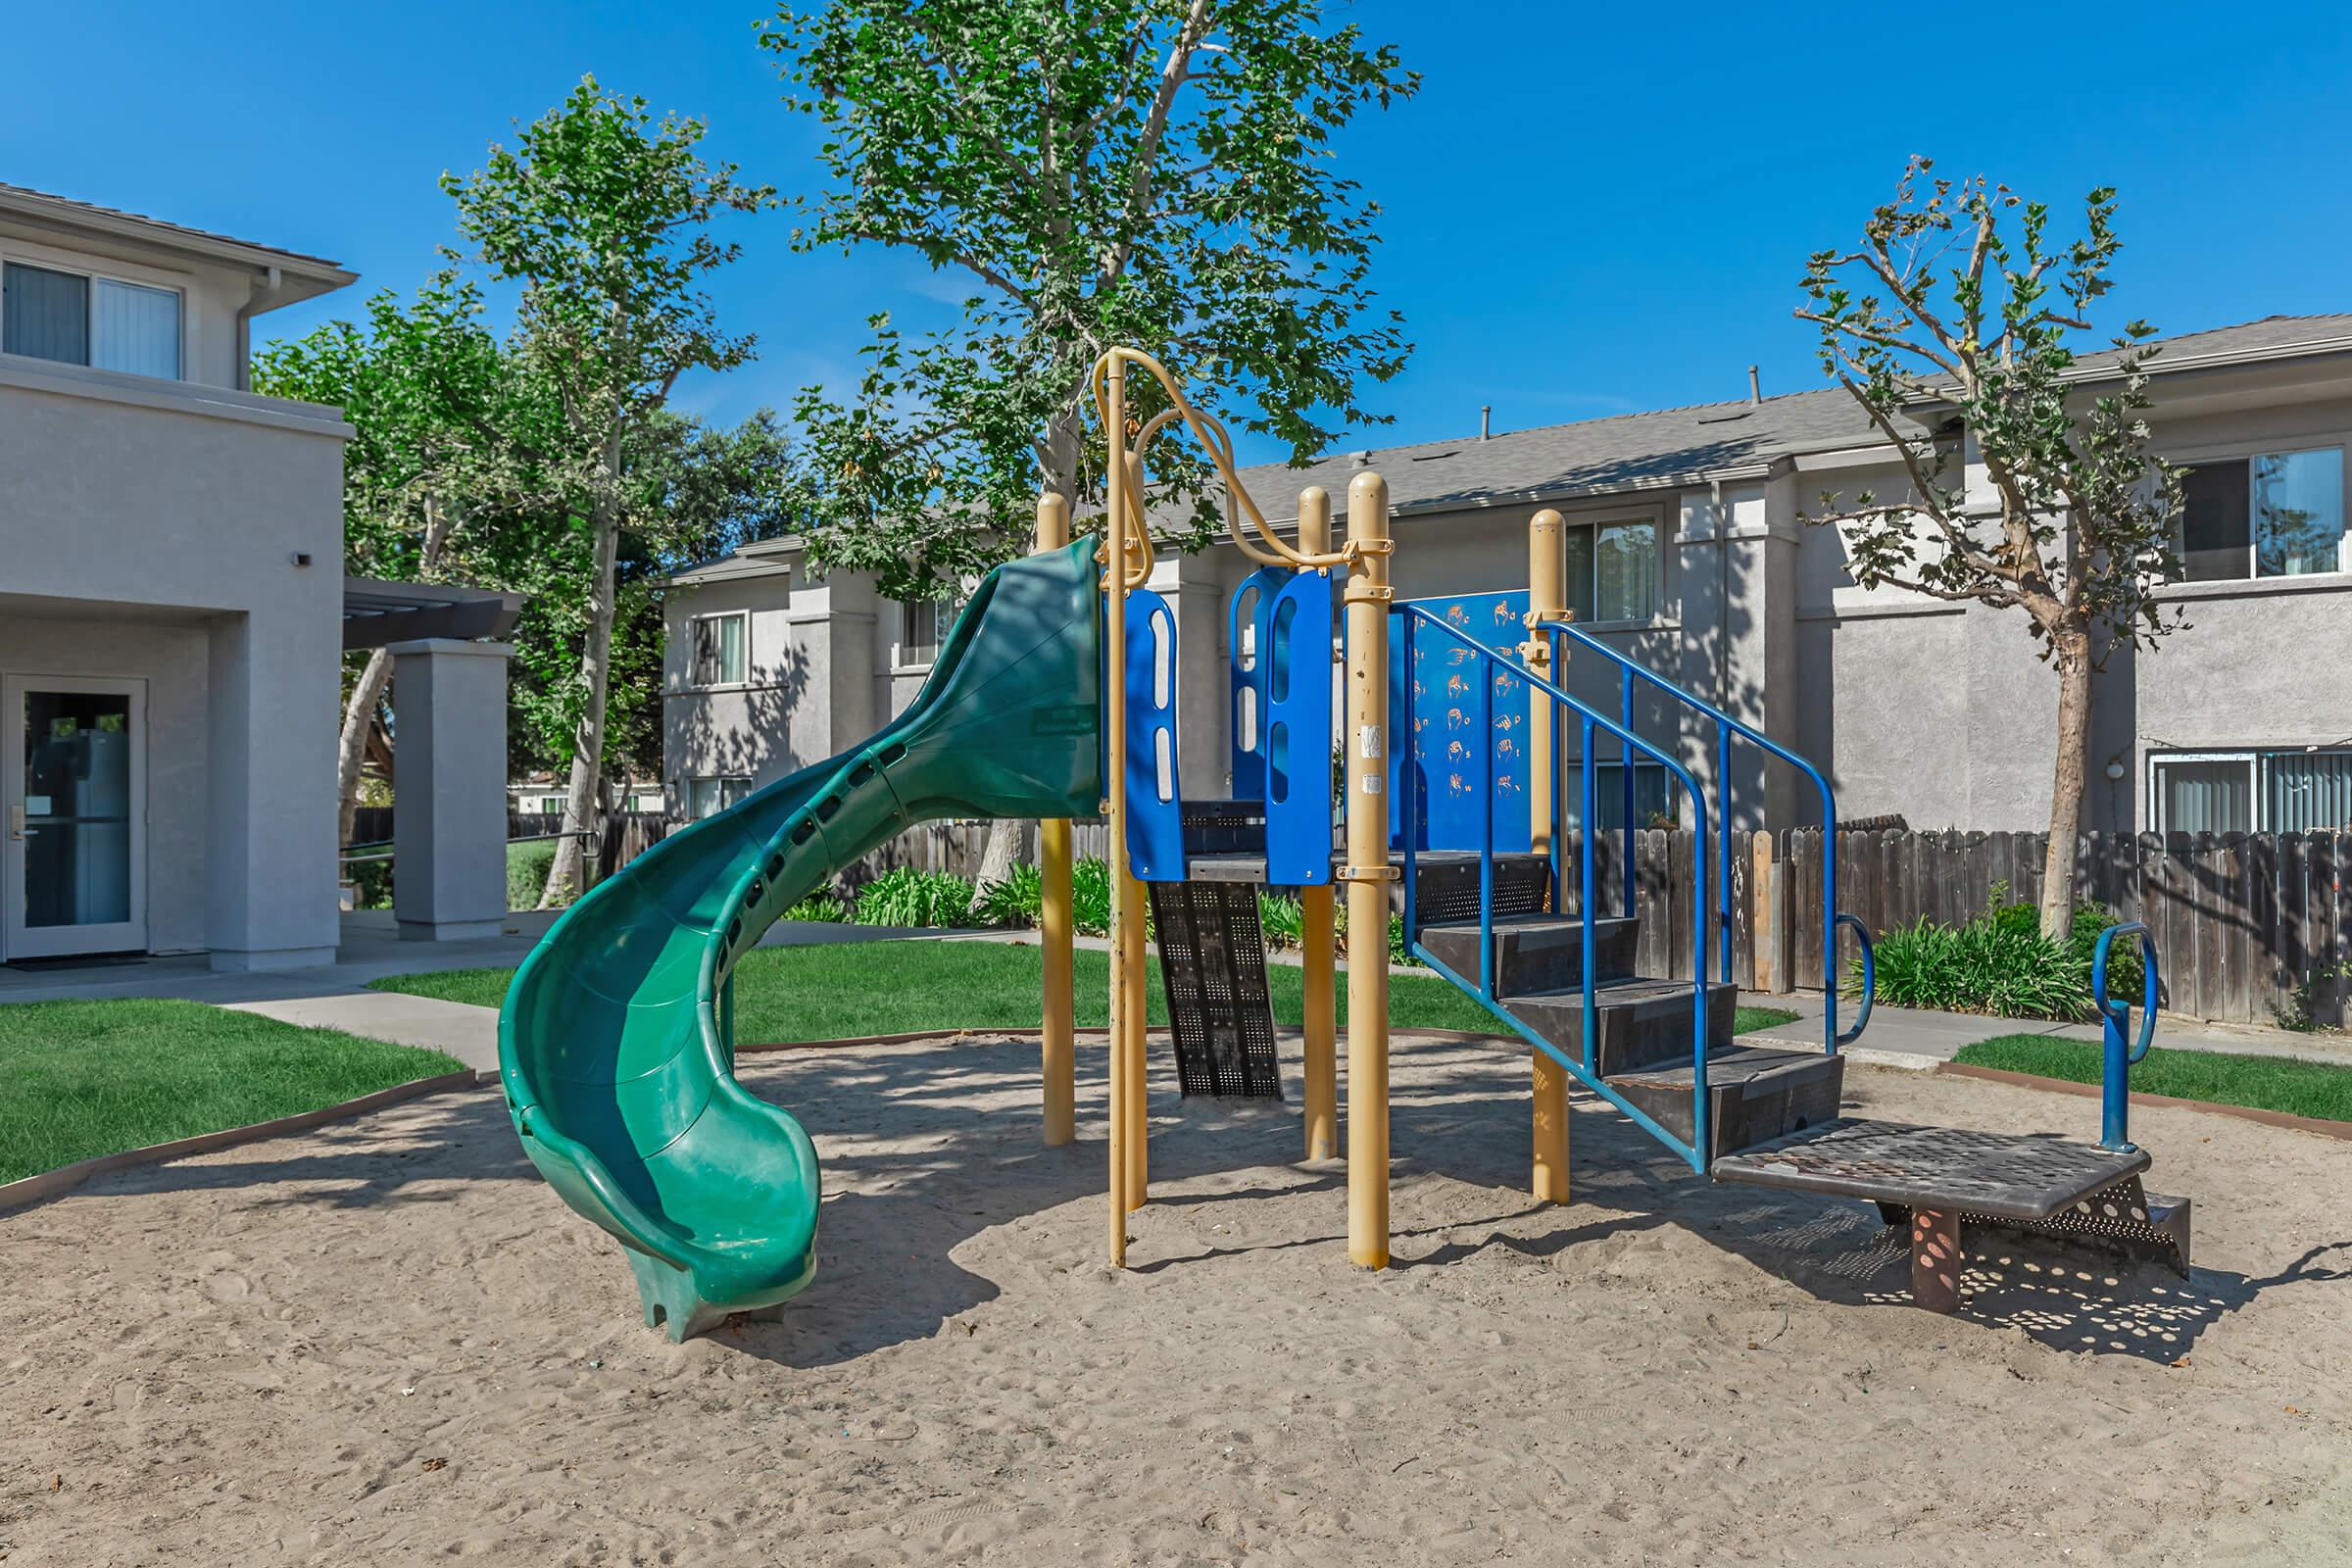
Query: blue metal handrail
{"points": [[1726, 727], [1586, 1071], [2115, 1086]]}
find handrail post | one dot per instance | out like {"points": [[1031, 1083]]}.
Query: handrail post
{"points": [[1114, 787], [1487, 676], [1317, 907], [1701, 1118], [1590, 896], [1546, 599], [1368, 597], [1057, 1049], [1723, 839], [1829, 924], [1626, 766]]}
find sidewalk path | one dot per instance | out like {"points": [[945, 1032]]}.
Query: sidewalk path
{"points": [[1912, 1037]]}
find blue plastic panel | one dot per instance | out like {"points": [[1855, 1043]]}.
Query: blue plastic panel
{"points": [[1245, 668], [1454, 772], [1297, 664], [1155, 794]]}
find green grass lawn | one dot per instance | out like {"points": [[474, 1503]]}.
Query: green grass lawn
{"points": [[891, 988], [2265, 1083], [89, 1078]]}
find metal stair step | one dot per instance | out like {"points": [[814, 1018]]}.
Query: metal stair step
{"points": [[1754, 1095], [1536, 952], [1638, 1021]]}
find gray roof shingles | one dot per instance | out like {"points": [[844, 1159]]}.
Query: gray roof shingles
{"points": [[7, 190]]}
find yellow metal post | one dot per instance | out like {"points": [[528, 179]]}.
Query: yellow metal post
{"points": [[1136, 956], [1115, 790], [1318, 911], [1058, 1065], [1548, 598], [1368, 871]]}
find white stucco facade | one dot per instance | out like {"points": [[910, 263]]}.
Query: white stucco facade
{"points": [[170, 558], [1936, 712]]}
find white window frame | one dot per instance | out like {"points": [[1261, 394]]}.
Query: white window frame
{"points": [[2259, 761], [111, 271], [1593, 519], [741, 781], [694, 659], [2197, 458], [905, 661], [2158, 816]]}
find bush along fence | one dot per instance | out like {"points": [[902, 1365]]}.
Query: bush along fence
{"points": [[2253, 928]]}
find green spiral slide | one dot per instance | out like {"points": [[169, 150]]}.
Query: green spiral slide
{"points": [[615, 1043]]}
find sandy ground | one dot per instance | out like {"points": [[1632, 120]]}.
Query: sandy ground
{"points": [[388, 1343]]}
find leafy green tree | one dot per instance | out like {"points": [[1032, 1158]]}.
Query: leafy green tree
{"points": [[2052, 504], [1121, 172], [1144, 171], [694, 491], [605, 215], [423, 384]]}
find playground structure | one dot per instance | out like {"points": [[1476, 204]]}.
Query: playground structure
{"points": [[1055, 697]]}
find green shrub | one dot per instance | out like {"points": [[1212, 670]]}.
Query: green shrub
{"points": [[1999, 963], [527, 864], [1281, 918], [1090, 898], [824, 905], [906, 897], [371, 880], [1017, 901]]}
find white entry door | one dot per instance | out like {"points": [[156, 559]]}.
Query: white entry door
{"points": [[72, 815]]}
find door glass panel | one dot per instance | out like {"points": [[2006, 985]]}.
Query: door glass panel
{"points": [[76, 808]]}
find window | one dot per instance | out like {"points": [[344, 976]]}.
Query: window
{"points": [[2273, 514], [923, 626], [1654, 803], [1613, 570], [708, 797], [98, 321], [2300, 791], [718, 649]]}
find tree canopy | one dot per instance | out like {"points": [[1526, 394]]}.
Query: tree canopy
{"points": [[1141, 172]]}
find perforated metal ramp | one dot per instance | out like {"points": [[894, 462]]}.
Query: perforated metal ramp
{"points": [[2000, 1175], [1212, 961]]}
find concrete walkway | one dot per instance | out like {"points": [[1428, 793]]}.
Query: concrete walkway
{"points": [[1911, 1037], [336, 996]]}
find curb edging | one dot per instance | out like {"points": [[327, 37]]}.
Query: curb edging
{"points": [[48, 1184], [2341, 1130]]}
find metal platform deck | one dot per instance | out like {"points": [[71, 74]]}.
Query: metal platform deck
{"points": [[1942, 1180]]}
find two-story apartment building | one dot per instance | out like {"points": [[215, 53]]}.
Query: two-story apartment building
{"points": [[174, 612], [1686, 548]]}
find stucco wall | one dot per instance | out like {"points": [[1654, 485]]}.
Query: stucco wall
{"points": [[125, 501], [211, 295]]}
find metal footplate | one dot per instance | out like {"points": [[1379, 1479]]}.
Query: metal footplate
{"points": [[1940, 1180], [1212, 961]]}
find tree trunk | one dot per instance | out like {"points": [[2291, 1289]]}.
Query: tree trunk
{"points": [[568, 870], [2072, 659], [351, 753]]}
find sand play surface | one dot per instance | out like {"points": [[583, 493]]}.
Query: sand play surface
{"points": [[389, 1342]]}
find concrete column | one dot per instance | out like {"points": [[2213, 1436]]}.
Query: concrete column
{"points": [[449, 834], [269, 840]]}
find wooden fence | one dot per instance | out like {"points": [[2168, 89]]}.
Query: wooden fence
{"points": [[2249, 928]]}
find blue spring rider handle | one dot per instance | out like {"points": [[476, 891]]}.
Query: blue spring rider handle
{"points": [[2122, 1054]]}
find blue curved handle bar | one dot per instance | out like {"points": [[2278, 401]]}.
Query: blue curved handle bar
{"points": [[2115, 1080], [1870, 976]]}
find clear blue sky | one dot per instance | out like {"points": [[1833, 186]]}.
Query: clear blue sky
{"points": [[1589, 209]]}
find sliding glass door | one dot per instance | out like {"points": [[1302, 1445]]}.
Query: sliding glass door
{"points": [[72, 817]]}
